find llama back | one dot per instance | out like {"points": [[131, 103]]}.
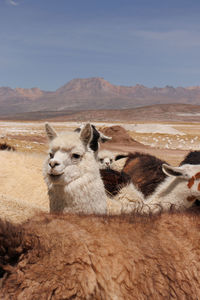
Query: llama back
{"points": [[88, 257]]}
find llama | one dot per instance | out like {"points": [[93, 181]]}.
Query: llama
{"points": [[95, 257], [180, 189], [105, 159], [72, 174], [146, 170]]}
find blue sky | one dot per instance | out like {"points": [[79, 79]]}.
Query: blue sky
{"points": [[46, 43]]}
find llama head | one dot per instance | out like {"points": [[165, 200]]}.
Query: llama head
{"points": [[190, 175], [105, 159], [67, 153]]}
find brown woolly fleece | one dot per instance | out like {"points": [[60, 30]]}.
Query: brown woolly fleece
{"points": [[114, 181], [145, 171], [109, 258]]}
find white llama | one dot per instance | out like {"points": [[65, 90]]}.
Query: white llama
{"points": [[105, 159], [72, 174]]}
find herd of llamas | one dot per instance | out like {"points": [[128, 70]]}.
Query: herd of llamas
{"points": [[91, 224]]}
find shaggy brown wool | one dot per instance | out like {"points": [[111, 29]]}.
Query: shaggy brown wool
{"points": [[145, 171], [90, 257]]}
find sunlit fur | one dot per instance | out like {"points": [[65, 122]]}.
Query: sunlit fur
{"points": [[90, 257], [72, 175], [145, 171]]}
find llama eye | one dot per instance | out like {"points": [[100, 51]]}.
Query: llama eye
{"points": [[111, 160], [51, 155], [75, 155], [101, 160]]}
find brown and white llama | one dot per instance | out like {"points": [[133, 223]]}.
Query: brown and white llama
{"points": [[146, 170], [179, 190], [94, 257]]}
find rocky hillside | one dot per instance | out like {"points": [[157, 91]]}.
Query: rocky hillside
{"points": [[92, 94]]}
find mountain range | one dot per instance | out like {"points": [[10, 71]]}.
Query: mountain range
{"points": [[92, 94]]}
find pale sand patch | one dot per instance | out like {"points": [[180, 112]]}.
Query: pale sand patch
{"points": [[21, 178]]}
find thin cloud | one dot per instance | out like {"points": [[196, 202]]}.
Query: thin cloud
{"points": [[182, 38], [12, 2]]}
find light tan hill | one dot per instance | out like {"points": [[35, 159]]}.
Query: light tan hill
{"points": [[155, 113]]}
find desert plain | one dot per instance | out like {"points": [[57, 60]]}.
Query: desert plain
{"points": [[168, 141]]}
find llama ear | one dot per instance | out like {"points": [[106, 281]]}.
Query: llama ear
{"points": [[104, 138], [51, 133], [175, 171], [120, 156], [86, 134], [79, 128]]}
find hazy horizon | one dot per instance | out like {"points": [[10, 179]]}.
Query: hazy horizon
{"points": [[122, 85]]}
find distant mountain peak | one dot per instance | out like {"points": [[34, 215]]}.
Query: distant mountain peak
{"points": [[93, 94], [78, 84]]}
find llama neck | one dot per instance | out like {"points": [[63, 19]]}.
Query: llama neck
{"points": [[83, 195]]}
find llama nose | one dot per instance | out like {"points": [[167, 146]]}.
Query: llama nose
{"points": [[53, 164]]}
